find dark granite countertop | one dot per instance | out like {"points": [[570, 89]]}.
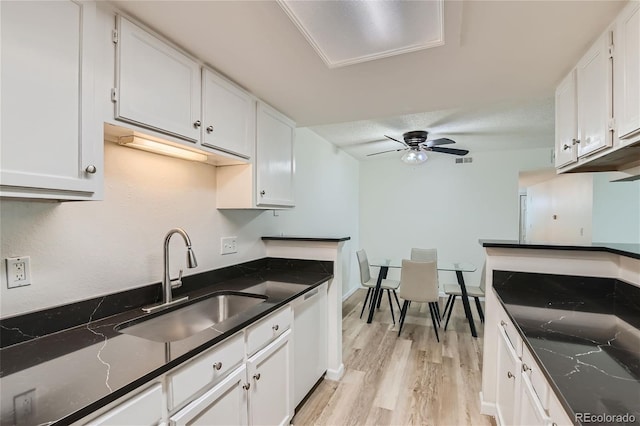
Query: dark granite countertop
{"points": [[305, 238], [585, 334], [75, 371], [628, 250]]}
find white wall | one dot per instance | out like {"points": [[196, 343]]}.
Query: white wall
{"points": [[442, 205], [616, 210], [326, 188]]}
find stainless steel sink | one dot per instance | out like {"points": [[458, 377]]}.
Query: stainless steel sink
{"points": [[276, 290], [178, 324]]}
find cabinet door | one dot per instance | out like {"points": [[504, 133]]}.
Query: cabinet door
{"points": [[49, 139], [595, 97], [310, 341], [274, 158], [225, 404], [508, 380], [269, 373], [566, 121], [158, 86], [627, 62], [531, 411], [228, 116]]}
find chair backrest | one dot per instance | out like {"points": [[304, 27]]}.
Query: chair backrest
{"points": [[363, 263], [424, 255], [419, 281]]}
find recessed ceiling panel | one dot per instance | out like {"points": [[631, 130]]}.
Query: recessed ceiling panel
{"points": [[348, 32]]}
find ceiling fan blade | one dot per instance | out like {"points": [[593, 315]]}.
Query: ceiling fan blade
{"points": [[396, 140], [449, 150], [441, 141], [384, 152]]}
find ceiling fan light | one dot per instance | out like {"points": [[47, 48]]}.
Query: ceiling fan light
{"points": [[414, 157]]}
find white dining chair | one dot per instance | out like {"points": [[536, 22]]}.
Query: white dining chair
{"points": [[419, 283], [454, 290], [427, 255], [370, 283]]}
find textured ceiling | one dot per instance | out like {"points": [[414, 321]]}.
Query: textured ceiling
{"points": [[489, 87]]}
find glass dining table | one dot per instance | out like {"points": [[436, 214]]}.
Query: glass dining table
{"points": [[457, 267]]}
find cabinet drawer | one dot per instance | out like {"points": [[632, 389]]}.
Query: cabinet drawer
{"points": [[538, 382], [511, 332], [267, 329], [205, 369], [142, 409]]}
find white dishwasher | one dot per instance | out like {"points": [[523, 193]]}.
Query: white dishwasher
{"points": [[310, 341]]}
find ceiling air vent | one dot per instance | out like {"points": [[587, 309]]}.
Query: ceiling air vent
{"points": [[464, 160]]}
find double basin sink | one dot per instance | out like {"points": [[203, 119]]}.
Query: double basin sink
{"points": [[192, 317]]}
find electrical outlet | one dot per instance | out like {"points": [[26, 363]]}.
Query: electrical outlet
{"points": [[228, 245], [18, 271], [24, 407]]}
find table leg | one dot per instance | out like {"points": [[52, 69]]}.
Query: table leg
{"points": [[384, 277], [377, 292], [465, 302]]}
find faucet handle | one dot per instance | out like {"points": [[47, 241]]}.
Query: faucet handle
{"points": [[178, 282]]}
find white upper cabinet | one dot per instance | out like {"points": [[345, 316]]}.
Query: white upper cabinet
{"points": [[627, 72], [274, 157], [566, 121], [228, 116], [50, 145], [595, 110], [157, 86]]}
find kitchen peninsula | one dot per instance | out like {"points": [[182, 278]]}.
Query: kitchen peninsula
{"points": [[562, 333]]}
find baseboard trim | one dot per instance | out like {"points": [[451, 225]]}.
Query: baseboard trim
{"points": [[335, 375], [349, 293], [487, 408]]}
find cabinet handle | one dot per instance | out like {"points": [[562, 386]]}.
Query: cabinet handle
{"points": [[246, 386], [197, 124], [263, 192], [510, 375], [565, 147], [217, 366], [91, 169], [209, 129], [575, 141], [525, 368], [256, 376], [275, 327]]}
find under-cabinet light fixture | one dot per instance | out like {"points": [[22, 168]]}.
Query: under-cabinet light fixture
{"points": [[160, 148]]}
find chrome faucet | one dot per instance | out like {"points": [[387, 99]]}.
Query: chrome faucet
{"points": [[167, 282]]}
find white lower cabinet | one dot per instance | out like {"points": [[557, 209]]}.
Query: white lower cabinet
{"points": [[531, 410], [270, 383], [225, 404], [508, 380]]}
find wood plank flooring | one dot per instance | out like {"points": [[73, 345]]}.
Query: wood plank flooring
{"points": [[406, 380]]}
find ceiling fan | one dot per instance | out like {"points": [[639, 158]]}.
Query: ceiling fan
{"points": [[417, 145]]}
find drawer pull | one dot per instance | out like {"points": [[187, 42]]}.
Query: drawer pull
{"points": [[525, 368], [510, 375], [275, 327], [246, 386], [256, 376], [217, 366]]}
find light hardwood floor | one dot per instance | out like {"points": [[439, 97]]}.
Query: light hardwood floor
{"points": [[406, 380]]}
